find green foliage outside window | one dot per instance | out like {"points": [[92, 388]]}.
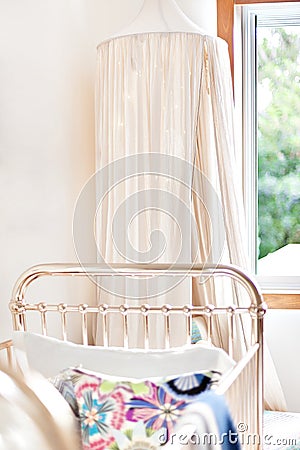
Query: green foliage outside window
{"points": [[278, 138]]}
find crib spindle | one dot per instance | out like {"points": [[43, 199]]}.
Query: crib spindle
{"points": [[187, 311], [209, 314], [42, 307], [231, 317], [145, 312], [62, 308], [124, 312], [165, 309], [102, 309], [84, 330]]}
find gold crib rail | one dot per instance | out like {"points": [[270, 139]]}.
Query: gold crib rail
{"points": [[137, 270]]}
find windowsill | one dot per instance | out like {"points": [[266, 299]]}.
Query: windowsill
{"points": [[278, 272], [283, 262], [280, 292], [282, 300]]}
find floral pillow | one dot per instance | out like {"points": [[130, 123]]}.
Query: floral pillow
{"points": [[131, 414]]}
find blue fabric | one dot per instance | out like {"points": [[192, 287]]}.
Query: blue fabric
{"points": [[196, 334], [228, 435]]}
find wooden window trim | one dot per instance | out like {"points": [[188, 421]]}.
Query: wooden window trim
{"points": [[251, 2], [282, 301], [225, 19], [225, 23], [225, 26]]}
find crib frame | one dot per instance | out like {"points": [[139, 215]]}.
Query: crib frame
{"points": [[246, 407]]}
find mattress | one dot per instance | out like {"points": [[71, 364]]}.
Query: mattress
{"points": [[281, 431]]}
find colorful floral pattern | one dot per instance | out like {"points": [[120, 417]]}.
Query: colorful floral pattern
{"points": [[158, 410], [94, 416], [128, 416], [189, 386], [139, 439], [99, 413]]}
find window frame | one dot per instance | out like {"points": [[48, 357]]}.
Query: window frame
{"points": [[243, 22]]}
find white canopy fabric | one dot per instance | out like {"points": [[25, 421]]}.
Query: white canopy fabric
{"points": [[167, 162]]}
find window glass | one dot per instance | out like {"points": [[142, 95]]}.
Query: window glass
{"points": [[278, 149]]}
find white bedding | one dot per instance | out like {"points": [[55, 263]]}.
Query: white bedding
{"points": [[49, 356]]}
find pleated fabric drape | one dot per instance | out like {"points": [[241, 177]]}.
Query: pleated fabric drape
{"points": [[164, 111]]}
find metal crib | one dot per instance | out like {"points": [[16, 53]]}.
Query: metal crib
{"points": [[242, 386]]}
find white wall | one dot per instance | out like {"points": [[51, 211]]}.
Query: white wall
{"points": [[202, 12], [47, 67], [283, 336]]}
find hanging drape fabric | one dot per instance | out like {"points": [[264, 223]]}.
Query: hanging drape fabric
{"points": [[170, 190]]}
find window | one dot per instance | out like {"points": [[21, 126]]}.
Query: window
{"points": [[271, 140]]}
